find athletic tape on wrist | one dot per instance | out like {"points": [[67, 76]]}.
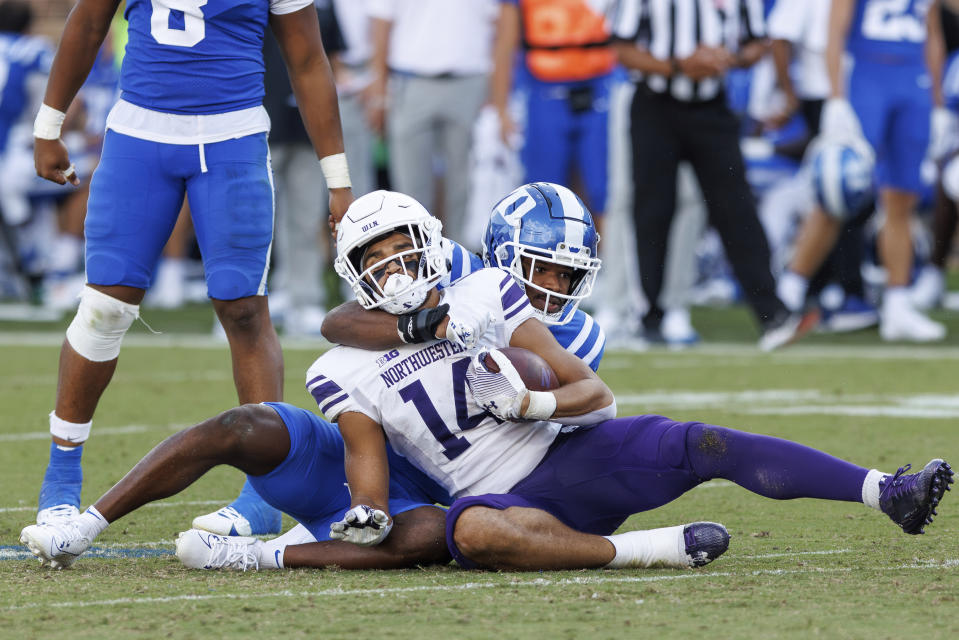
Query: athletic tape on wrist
{"points": [[48, 122], [336, 171], [542, 405]]}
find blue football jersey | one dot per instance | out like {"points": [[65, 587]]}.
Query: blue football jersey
{"points": [[22, 58], [889, 32], [582, 336], [194, 56]]}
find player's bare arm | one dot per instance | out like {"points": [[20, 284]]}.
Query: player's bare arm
{"points": [[367, 522], [840, 19], [581, 391], [86, 27], [935, 52], [501, 81], [351, 325], [298, 34]]}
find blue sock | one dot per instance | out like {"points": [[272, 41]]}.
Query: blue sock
{"points": [[263, 518], [63, 479]]}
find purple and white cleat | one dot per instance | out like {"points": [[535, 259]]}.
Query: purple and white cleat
{"points": [[705, 541], [910, 500]]}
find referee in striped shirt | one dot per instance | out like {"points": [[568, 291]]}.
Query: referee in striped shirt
{"points": [[679, 52]]}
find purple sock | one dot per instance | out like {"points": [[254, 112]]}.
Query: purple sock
{"points": [[771, 467]]}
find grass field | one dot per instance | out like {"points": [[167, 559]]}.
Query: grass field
{"points": [[794, 569]]}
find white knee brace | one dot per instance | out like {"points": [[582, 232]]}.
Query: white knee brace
{"points": [[100, 324]]}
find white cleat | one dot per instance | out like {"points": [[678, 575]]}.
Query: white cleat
{"points": [[907, 324], [204, 550], [56, 545], [60, 514], [226, 522]]}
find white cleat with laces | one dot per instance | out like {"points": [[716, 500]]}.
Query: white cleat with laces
{"points": [[57, 545], [198, 549]]}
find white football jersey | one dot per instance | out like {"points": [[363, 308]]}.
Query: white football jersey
{"points": [[418, 393]]}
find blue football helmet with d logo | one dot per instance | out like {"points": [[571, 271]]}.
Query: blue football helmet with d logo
{"points": [[544, 222], [842, 176]]}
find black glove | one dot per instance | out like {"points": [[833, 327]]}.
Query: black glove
{"points": [[420, 326]]}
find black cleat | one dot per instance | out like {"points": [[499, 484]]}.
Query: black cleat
{"points": [[911, 500], [705, 541]]}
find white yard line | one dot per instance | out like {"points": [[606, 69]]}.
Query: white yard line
{"points": [[793, 353], [187, 375], [97, 431], [790, 554], [161, 341], [161, 504], [615, 356], [538, 583], [799, 402]]}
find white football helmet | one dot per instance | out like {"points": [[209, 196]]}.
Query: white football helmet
{"points": [[372, 217]]}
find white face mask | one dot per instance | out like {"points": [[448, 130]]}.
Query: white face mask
{"points": [[403, 296]]}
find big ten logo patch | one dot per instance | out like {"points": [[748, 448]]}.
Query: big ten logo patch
{"points": [[386, 357]]}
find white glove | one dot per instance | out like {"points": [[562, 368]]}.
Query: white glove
{"points": [[464, 329], [500, 393], [363, 526], [943, 133], [839, 121]]}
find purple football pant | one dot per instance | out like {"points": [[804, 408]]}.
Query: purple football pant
{"points": [[593, 479]]}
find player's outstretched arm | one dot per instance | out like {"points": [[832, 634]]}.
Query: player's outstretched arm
{"points": [[85, 29], [368, 521], [581, 392], [298, 34]]}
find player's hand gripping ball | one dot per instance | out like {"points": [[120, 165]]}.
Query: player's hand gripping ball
{"points": [[501, 378], [363, 526]]}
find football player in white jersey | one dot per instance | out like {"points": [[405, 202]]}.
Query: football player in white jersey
{"points": [[189, 122], [520, 478]]}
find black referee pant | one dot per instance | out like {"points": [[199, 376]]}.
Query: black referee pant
{"points": [[664, 132]]}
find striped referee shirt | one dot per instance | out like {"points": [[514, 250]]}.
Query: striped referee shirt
{"points": [[675, 28]]}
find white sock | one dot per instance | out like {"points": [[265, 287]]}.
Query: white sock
{"points": [[662, 547], [895, 298], [870, 488], [269, 553], [92, 523], [792, 289], [270, 559]]}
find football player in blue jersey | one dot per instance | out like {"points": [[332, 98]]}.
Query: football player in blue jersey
{"points": [[897, 53], [189, 122]]}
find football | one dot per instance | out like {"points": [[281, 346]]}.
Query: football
{"points": [[535, 372]]}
